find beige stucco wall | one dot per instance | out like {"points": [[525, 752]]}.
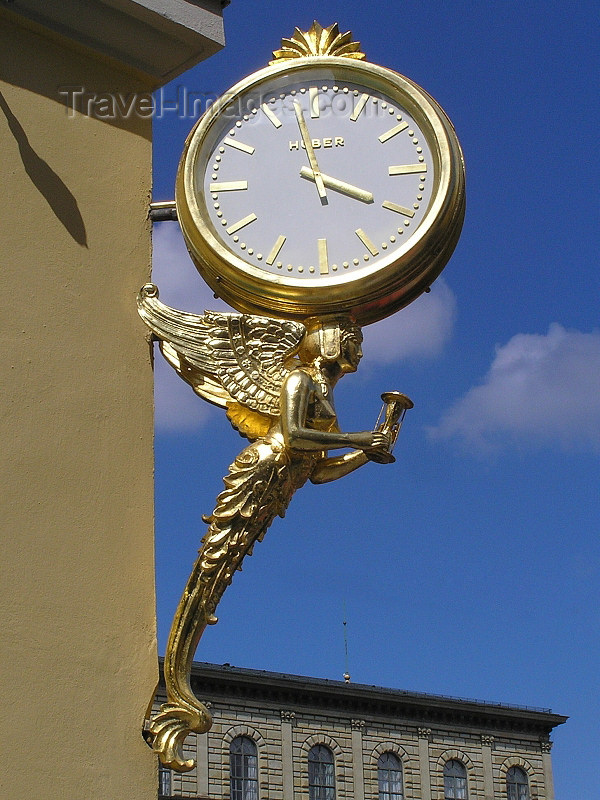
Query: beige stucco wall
{"points": [[77, 609]]}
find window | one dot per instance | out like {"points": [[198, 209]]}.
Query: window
{"points": [[517, 787], [164, 780], [243, 769], [389, 775], [455, 780], [321, 776]]}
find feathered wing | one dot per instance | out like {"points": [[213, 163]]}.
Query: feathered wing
{"points": [[238, 361]]}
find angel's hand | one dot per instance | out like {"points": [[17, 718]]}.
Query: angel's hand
{"points": [[379, 441], [369, 440], [380, 452]]}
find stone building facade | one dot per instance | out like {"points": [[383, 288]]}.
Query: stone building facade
{"points": [[364, 742]]}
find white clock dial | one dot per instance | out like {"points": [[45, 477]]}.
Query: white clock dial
{"points": [[262, 192]]}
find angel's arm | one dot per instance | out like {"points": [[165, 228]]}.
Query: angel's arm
{"points": [[330, 469], [295, 397]]}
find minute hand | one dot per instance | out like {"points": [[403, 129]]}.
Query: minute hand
{"points": [[339, 186], [310, 152]]}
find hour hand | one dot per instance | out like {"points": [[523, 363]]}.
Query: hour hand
{"points": [[339, 186]]}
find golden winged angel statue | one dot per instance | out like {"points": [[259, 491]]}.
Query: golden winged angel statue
{"points": [[275, 378]]}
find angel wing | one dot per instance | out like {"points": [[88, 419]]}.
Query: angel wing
{"points": [[237, 361]]}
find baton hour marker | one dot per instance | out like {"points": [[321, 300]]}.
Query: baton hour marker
{"points": [[408, 212], [359, 107], [367, 242], [228, 186], [323, 258], [313, 98], [393, 132], [241, 223], [407, 169], [275, 250], [245, 148], [274, 120]]}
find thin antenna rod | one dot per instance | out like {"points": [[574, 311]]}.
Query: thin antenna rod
{"points": [[345, 623]]}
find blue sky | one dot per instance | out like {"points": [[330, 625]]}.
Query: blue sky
{"points": [[471, 566]]}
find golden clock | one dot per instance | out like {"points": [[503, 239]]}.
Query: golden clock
{"points": [[321, 184]]}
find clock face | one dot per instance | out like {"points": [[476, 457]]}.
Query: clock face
{"points": [[312, 186]]}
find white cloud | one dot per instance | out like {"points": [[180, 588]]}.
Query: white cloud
{"points": [[418, 331], [174, 273], [176, 407], [540, 389]]}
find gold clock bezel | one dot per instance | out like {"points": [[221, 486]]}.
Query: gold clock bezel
{"points": [[371, 293]]}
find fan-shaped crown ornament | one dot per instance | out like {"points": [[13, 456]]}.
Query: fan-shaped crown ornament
{"points": [[319, 41]]}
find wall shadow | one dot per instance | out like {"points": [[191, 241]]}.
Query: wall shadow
{"points": [[54, 190]]}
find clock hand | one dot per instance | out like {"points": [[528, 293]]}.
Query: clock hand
{"points": [[311, 153], [339, 186]]}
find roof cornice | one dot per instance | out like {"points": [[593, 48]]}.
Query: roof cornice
{"points": [[360, 700], [158, 39]]}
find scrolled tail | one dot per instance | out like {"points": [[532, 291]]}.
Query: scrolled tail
{"points": [[171, 726]]}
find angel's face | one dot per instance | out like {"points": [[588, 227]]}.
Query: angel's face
{"points": [[351, 351]]}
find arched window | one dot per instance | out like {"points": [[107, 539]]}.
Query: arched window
{"points": [[321, 774], [243, 769], [455, 780], [164, 780], [389, 775], [517, 786]]}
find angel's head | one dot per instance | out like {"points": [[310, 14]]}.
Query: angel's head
{"points": [[334, 342], [350, 347]]}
